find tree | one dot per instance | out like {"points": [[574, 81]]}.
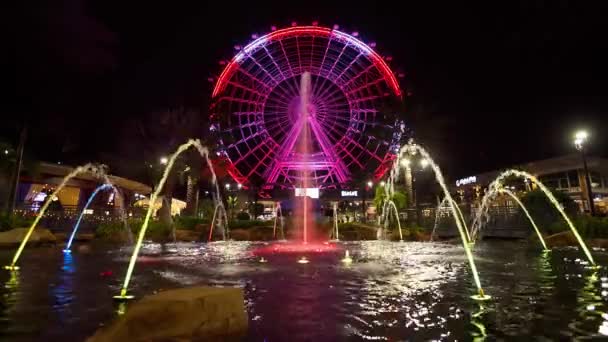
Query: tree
{"points": [[158, 134], [233, 202], [543, 211], [398, 197]]}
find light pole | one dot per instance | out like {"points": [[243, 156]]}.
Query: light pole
{"points": [[406, 163], [369, 184], [580, 139]]}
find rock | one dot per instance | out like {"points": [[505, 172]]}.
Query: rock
{"points": [[84, 249], [240, 235], [187, 235], [601, 243], [15, 236], [562, 239], [62, 236], [202, 227], [85, 236], [190, 314]]}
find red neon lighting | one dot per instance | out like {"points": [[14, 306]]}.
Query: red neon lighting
{"points": [[315, 31]]}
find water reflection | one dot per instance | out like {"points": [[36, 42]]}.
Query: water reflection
{"points": [[390, 291], [63, 291]]}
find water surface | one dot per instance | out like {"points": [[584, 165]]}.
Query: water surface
{"points": [[392, 291]]}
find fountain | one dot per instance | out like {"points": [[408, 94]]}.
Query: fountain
{"points": [[441, 205], [305, 148], [414, 148], [497, 185], [347, 259], [390, 204], [219, 207], [77, 225], [142, 232], [389, 190], [335, 214], [277, 210], [525, 210], [90, 168]]}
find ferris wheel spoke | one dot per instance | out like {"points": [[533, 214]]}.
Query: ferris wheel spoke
{"points": [[354, 160], [287, 59], [251, 77], [331, 93], [314, 87], [275, 82], [362, 148], [327, 75], [258, 94], [347, 68], [358, 75], [353, 92], [299, 56], [245, 88]]}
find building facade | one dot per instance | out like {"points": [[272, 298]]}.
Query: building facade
{"points": [[564, 173]]}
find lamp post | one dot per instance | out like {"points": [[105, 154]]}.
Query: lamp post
{"points": [[369, 185], [580, 139], [409, 187]]}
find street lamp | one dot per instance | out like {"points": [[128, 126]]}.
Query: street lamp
{"points": [[227, 186], [382, 183], [239, 185], [580, 139], [164, 160], [370, 184]]}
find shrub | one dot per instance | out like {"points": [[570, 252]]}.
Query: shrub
{"points": [[589, 227], [156, 229], [542, 210], [8, 222], [188, 222], [109, 229], [242, 216], [249, 223]]}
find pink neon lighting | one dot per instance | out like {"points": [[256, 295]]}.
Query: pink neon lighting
{"points": [[344, 103], [307, 30]]}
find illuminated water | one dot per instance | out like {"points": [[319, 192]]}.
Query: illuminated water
{"points": [[496, 186], [391, 291]]}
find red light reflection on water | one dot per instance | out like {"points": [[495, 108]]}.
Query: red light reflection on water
{"points": [[293, 247]]}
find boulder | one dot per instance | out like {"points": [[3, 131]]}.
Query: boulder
{"points": [[187, 235], [190, 314], [562, 239], [240, 235], [14, 237]]}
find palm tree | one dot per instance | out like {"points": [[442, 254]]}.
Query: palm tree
{"points": [[233, 202], [159, 134]]}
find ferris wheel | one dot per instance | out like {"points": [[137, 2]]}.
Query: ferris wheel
{"points": [[255, 108]]}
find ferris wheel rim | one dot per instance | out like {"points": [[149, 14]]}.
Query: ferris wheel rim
{"points": [[378, 61]]}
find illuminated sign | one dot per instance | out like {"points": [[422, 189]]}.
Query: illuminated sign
{"points": [[310, 192], [466, 181], [349, 193]]}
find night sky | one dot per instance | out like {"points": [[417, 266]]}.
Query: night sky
{"points": [[489, 86]]}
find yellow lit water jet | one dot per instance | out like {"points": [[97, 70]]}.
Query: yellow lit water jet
{"points": [[414, 148], [142, 232], [460, 215], [81, 169], [521, 205], [497, 184], [347, 259]]}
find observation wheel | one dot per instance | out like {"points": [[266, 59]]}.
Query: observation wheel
{"points": [[256, 109]]}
